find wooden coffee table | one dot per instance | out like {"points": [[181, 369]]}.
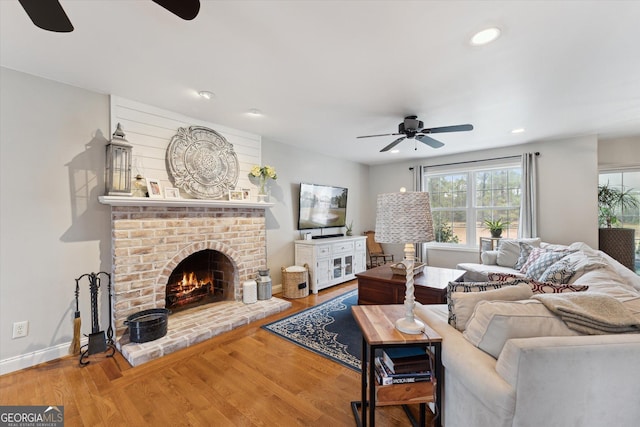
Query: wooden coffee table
{"points": [[380, 286]]}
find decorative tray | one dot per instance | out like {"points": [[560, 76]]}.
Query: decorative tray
{"points": [[401, 269], [202, 163]]}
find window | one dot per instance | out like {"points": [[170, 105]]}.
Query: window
{"points": [[626, 180], [462, 200]]}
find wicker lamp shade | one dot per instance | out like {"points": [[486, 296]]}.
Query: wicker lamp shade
{"points": [[404, 217]]}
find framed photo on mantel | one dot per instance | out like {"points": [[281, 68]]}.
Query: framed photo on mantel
{"points": [[171, 193], [154, 188]]}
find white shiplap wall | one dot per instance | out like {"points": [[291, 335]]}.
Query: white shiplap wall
{"points": [[150, 129]]}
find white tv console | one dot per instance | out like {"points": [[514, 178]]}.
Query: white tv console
{"points": [[333, 260]]}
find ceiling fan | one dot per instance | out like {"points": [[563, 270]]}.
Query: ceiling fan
{"points": [[411, 128], [49, 14]]}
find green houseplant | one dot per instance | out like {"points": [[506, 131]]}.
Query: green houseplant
{"points": [[495, 227], [618, 242], [609, 200]]}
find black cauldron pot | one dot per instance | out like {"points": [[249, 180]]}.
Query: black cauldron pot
{"points": [[148, 325]]}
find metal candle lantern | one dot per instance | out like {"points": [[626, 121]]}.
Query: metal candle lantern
{"points": [[118, 179]]}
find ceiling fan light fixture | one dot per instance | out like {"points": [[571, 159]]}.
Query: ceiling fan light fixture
{"points": [[485, 36], [206, 94]]}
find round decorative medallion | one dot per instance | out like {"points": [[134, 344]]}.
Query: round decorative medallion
{"points": [[202, 162]]}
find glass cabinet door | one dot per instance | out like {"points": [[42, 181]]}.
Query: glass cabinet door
{"points": [[348, 265], [337, 268]]}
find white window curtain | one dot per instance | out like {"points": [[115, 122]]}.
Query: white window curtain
{"points": [[528, 206], [418, 185]]}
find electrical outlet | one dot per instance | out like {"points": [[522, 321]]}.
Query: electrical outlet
{"points": [[21, 329]]}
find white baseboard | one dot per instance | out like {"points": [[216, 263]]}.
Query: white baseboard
{"points": [[33, 358]]}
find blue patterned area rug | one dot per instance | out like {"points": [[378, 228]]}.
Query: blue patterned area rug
{"points": [[327, 329]]}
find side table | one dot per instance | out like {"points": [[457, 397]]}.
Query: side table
{"points": [[377, 323]]}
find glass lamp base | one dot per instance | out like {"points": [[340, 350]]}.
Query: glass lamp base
{"points": [[409, 326]]}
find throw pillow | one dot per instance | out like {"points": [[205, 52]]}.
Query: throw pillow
{"points": [[463, 303], [508, 253], [536, 286], [553, 288], [544, 261], [525, 251], [559, 272], [468, 287], [489, 257], [534, 254], [507, 277], [495, 322]]}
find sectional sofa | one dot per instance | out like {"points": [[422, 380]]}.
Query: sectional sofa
{"points": [[511, 361]]}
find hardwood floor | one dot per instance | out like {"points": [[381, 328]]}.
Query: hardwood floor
{"points": [[246, 377]]}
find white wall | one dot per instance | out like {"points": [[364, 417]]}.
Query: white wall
{"points": [[294, 166], [150, 129], [52, 229], [567, 188], [619, 153]]}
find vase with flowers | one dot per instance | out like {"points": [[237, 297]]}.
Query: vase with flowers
{"points": [[263, 173]]}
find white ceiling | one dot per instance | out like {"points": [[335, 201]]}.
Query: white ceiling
{"points": [[324, 72]]}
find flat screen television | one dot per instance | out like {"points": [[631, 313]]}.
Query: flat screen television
{"points": [[322, 206]]}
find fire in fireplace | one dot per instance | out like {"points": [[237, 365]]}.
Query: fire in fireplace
{"points": [[202, 278]]}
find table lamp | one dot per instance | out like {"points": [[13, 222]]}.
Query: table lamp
{"points": [[405, 217]]}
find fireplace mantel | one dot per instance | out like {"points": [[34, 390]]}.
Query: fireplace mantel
{"points": [[146, 201]]}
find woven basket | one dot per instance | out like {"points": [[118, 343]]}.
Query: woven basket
{"points": [[401, 269], [295, 281]]}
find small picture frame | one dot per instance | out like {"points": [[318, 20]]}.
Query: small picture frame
{"points": [[171, 193], [154, 188], [246, 194], [236, 195]]}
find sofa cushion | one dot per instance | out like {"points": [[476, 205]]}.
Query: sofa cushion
{"points": [[453, 287], [463, 303], [495, 322]]}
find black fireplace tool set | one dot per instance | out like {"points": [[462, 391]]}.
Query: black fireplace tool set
{"points": [[98, 342]]}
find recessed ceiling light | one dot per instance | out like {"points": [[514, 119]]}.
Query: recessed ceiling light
{"points": [[518, 130], [206, 94], [394, 151], [255, 112], [485, 36]]}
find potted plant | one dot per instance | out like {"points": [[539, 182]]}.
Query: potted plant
{"points": [[616, 241], [495, 227], [349, 229]]}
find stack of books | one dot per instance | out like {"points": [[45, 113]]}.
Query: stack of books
{"points": [[399, 365]]}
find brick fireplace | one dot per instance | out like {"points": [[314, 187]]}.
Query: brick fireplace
{"points": [[151, 239]]}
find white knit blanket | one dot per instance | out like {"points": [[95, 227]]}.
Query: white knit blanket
{"points": [[591, 313]]}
